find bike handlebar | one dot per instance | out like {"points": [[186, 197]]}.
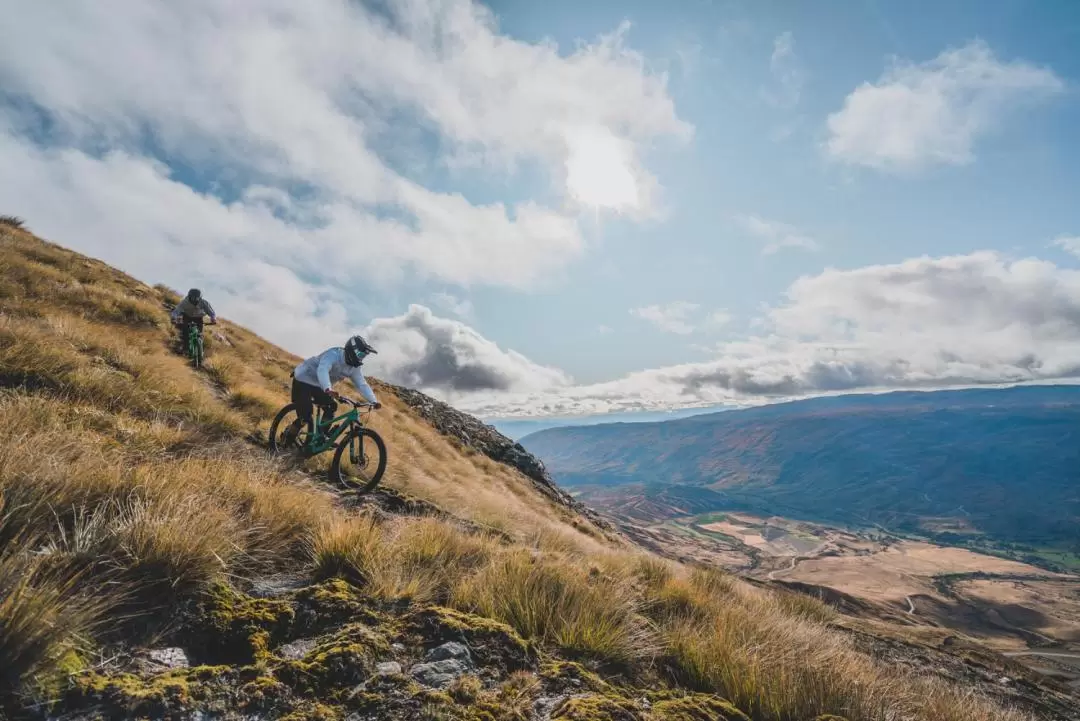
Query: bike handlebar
{"points": [[355, 404]]}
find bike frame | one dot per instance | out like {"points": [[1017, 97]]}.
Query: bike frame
{"points": [[193, 334], [345, 422]]}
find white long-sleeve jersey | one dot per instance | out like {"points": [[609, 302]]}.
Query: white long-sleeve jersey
{"points": [[329, 367]]}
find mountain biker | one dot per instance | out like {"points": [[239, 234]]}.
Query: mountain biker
{"points": [[190, 311], [313, 381]]}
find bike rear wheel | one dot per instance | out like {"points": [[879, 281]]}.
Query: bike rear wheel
{"points": [[288, 432], [359, 460]]}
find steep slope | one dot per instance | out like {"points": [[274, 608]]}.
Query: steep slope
{"points": [[156, 562], [1004, 462]]}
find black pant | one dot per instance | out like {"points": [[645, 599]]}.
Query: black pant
{"points": [[305, 396]]}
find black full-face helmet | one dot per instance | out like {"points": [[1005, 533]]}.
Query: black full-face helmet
{"points": [[194, 295], [356, 349]]}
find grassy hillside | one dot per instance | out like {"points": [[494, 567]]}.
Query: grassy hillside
{"points": [[142, 521], [1004, 462]]}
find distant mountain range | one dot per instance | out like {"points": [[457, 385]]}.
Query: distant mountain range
{"points": [[521, 427], [1001, 462]]}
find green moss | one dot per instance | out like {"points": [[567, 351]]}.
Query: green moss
{"points": [[332, 603], [431, 697], [491, 642], [49, 686], [264, 693], [127, 695], [234, 628], [341, 662], [693, 707], [314, 712], [563, 673], [597, 707]]}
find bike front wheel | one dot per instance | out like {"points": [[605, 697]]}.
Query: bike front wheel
{"points": [[195, 348], [359, 460]]}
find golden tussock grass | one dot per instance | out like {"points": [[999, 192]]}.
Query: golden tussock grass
{"points": [[406, 560], [45, 615], [130, 471], [584, 614]]}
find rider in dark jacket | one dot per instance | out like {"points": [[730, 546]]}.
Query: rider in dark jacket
{"points": [[190, 311]]}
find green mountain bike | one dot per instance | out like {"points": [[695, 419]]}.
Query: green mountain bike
{"points": [[193, 345], [359, 452]]}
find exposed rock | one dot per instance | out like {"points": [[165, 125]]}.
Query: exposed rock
{"points": [[444, 665], [544, 705], [388, 668], [440, 674], [161, 659], [297, 649], [274, 586], [447, 651], [473, 433]]}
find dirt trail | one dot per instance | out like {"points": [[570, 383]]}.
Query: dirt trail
{"points": [[794, 562]]}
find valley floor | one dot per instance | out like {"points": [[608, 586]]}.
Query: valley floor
{"points": [[1024, 612]]}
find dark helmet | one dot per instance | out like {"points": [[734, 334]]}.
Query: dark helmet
{"points": [[355, 350], [194, 295]]}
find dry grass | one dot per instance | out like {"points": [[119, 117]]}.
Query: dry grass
{"points": [[584, 614], [42, 616], [124, 465], [409, 560], [776, 658]]}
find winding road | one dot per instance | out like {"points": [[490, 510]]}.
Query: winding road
{"points": [[772, 574]]}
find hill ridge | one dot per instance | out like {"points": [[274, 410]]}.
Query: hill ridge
{"points": [[154, 563]]}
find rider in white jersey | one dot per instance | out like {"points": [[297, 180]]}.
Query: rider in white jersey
{"points": [[313, 380]]}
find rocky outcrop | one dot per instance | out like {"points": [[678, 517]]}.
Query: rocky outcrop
{"points": [[473, 433], [329, 652]]}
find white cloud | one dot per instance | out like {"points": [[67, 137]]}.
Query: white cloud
{"points": [[775, 235], [303, 131], [671, 317], [461, 307], [604, 329], [718, 318], [420, 350], [924, 323], [787, 71], [1070, 244], [934, 112]]}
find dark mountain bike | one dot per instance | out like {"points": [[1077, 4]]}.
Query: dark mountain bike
{"points": [[193, 345], [359, 452]]}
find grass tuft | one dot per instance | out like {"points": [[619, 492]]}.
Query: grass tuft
{"points": [[581, 613]]}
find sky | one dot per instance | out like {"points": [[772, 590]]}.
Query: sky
{"points": [[564, 208]]}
